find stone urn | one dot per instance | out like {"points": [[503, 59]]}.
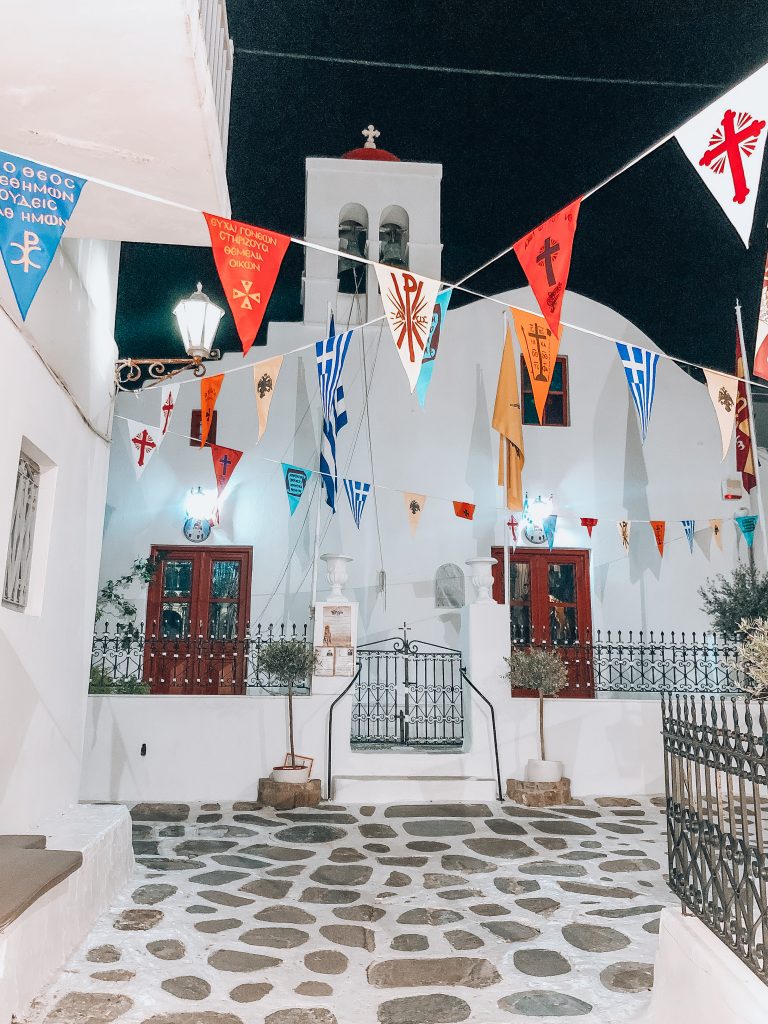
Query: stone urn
{"points": [[482, 578], [336, 569]]}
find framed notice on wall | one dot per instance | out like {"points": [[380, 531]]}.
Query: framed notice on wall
{"points": [[336, 653]]}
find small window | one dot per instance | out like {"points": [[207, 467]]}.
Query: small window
{"points": [[195, 427], [556, 408], [19, 560]]}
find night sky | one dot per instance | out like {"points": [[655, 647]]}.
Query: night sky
{"points": [[653, 245]]}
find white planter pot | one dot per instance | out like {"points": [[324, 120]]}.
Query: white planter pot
{"points": [[543, 771], [336, 567], [482, 578], [282, 773]]}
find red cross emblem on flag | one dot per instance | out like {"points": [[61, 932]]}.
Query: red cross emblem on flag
{"points": [[168, 406], [734, 139], [144, 444]]}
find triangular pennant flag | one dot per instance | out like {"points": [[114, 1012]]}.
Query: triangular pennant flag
{"points": [[747, 526], [545, 256], [414, 504], [508, 420], [513, 523], [464, 509], [539, 347], [590, 524], [248, 261], [209, 392], [659, 528], [357, 492], [760, 366], [640, 366], [725, 144], [745, 460], [689, 525], [264, 381], [433, 343], [717, 531], [722, 388], [37, 203], [224, 462], [409, 301], [144, 440], [167, 406], [549, 525], [624, 526], [330, 355], [296, 480]]}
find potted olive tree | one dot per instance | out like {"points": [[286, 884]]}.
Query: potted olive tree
{"points": [[289, 661], [544, 673]]}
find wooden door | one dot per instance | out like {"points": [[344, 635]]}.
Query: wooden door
{"points": [[550, 607], [198, 606]]}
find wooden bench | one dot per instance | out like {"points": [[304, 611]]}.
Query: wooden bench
{"points": [[28, 870]]}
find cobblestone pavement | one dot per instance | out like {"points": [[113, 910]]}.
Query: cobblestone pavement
{"points": [[396, 914]]}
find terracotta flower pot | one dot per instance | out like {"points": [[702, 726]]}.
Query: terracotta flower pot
{"points": [[298, 773]]}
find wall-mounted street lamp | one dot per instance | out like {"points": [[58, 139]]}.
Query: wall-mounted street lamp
{"points": [[198, 319]]}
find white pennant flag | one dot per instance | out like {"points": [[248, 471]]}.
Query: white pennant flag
{"points": [[725, 144], [409, 300], [167, 406], [722, 390], [144, 440]]}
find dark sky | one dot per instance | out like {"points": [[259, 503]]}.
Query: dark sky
{"points": [[654, 244]]}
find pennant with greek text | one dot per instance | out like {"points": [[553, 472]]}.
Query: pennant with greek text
{"points": [[264, 380], [760, 366], [545, 256], [722, 388], [588, 524], [414, 506], [659, 528], [624, 526], [357, 493], [209, 392], [433, 343], [539, 347], [689, 525], [296, 480], [168, 406], [144, 440], [747, 525], [225, 461], [409, 301], [248, 260], [464, 509], [37, 202], [549, 525], [717, 531]]}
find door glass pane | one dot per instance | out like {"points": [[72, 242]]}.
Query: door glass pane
{"points": [[519, 598], [177, 578], [174, 619], [519, 581], [563, 624], [225, 580], [222, 620], [562, 582], [520, 623]]}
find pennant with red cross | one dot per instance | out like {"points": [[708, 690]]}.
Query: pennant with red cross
{"points": [[545, 256], [168, 406], [144, 440], [409, 301], [725, 144], [588, 524], [248, 260], [225, 461]]}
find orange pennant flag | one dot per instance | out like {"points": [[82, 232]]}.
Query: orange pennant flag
{"points": [[545, 256], [209, 392], [248, 260], [539, 346], [224, 462], [464, 509], [659, 528]]}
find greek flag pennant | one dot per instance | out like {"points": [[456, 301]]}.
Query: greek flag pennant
{"points": [[689, 525], [640, 368], [331, 354], [225, 462], [296, 480], [37, 203], [747, 525], [433, 342], [357, 493]]}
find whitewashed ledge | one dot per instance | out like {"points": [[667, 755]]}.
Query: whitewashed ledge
{"points": [[37, 944]]}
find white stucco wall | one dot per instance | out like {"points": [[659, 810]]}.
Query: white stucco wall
{"points": [[44, 651]]}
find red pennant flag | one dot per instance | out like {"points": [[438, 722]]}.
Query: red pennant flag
{"points": [[464, 510], [209, 392], [589, 524], [745, 462], [545, 256], [224, 462], [248, 261], [659, 528]]}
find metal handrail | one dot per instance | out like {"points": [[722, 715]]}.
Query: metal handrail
{"points": [[482, 696], [334, 702]]}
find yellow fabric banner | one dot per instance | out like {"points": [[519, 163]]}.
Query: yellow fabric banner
{"points": [[508, 420]]}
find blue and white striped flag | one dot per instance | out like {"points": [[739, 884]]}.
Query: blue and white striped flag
{"points": [[640, 369], [689, 525], [357, 492], [331, 354]]}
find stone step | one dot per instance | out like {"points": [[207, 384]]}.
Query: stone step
{"points": [[33, 842], [362, 789]]}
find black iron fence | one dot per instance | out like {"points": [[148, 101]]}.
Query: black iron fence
{"points": [[129, 660], [716, 768], [645, 661]]}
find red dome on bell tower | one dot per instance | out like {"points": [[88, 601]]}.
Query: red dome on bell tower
{"points": [[369, 151]]}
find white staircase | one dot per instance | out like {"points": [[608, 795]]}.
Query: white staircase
{"points": [[363, 789]]}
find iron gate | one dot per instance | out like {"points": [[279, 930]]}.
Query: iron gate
{"points": [[408, 693]]}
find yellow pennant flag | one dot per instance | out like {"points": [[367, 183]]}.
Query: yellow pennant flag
{"points": [[508, 420], [722, 388], [264, 380], [539, 347], [414, 506]]}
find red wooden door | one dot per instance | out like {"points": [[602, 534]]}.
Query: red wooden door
{"points": [[198, 606], [550, 607]]}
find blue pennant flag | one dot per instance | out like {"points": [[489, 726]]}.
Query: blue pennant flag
{"points": [[36, 203], [549, 525], [296, 479], [331, 354], [430, 352], [357, 492], [640, 368], [689, 525], [747, 525]]}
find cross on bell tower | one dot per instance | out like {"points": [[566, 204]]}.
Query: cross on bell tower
{"points": [[371, 134]]}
